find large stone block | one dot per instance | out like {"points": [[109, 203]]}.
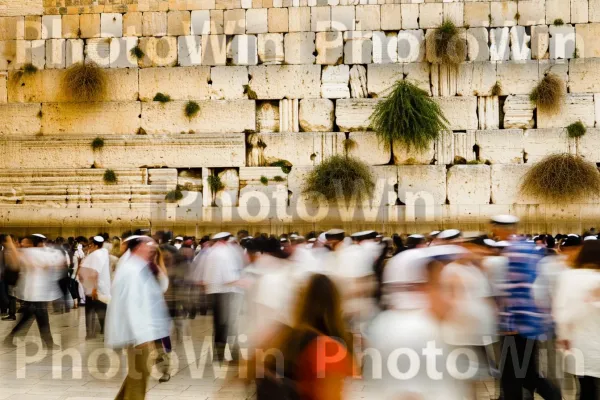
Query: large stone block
{"points": [[51, 27], [300, 48], [477, 14], [488, 110], [133, 24], [411, 156], [558, 9], [183, 83], [562, 41], [267, 121], [155, 24], [320, 19], [576, 107], [539, 143], [278, 20], [3, 89], [25, 7], [214, 116], [19, 119], [214, 49], [330, 48], [358, 82], [501, 146], [12, 28], [228, 82], [431, 15], [504, 13], [100, 118], [158, 52], [200, 22], [342, 18], [366, 146], [519, 44], [90, 25], [385, 47], [299, 19], [189, 50], [111, 25], [316, 115], [587, 43], [98, 51], [518, 77], [583, 77], [532, 12], [289, 81], [469, 184], [475, 78], [335, 81], [256, 21], [381, 78], [579, 11], [302, 148], [426, 182], [411, 46], [518, 112], [499, 44], [270, 48], [540, 42], [120, 52], [353, 114], [506, 182], [33, 27], [461, 112], [235, 22], [587, 145], [358, 51], [477, 44], [243, 50], [368, 18], [179, 23], [55, 53]]}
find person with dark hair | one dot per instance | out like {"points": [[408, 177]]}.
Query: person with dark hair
{"points": [[8, 279], [577, 315], [398, 243]]}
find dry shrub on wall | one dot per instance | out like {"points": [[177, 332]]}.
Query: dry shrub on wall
{"points": [[340, 177], [85, 82], [447, 44], [549, 94], [408, 115], [560, 178]]}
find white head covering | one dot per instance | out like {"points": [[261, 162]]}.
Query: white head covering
{"points": [[505, 219], [221, 235], [179, 238], [585, 239], [98, 239], [449, 234], [39, 235]]}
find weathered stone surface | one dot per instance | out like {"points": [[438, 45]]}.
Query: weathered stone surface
{"points": [[334, 82], [270, 48], [330, 48], [184, 83], [366, 146], [358, 82], [120, 52], [243, 50], [132, 24], [390, 17], [469, 184], [532, 12], [477, 44], [288, 115], [461, 112], [499, 44], [19, 119], [503, 146], [299, 19], [562, 42], [159, 52], [411, 46], [477, 14], [33, 27], [155, 24], [228, 83], [488, 109], [406, 156], [576, 107], [583, 77], [579, 11], [267, 119], [557, 9], [90, 25], [518, 112], [540, 42], [98, 51], [316, 115], [300, 48], [179, 23], [3, 89], [189, 51], [303, 148], [587, 145], [368, 18], [428, 182], [519, 44], [291, 81], [55, 53], [539, 143], [418, 73], [410, 16], [503, 13], [431, 15], [278, 19], [506, 181], [256, 20], [353, 114], [476, 78], [200, 22], [111, 25], [587, 44], [101, 118], [385, 47], [444, 78], [51, 27], [518, 77], [358, 51], [214, 116], [381, 78], [70, 27]]}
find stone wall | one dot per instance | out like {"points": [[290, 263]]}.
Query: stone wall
{"points": [[286, 80]]}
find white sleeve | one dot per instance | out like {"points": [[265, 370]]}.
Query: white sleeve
{"points": [[163, 281]]}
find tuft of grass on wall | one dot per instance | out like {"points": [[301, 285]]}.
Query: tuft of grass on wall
{"points": [[559, 22], [285, 165], [576, 129], [264, 180], [97, 143], [278, 178], [110, 177], [174, 195], [549, 94], [191, 109], [447, 44], [85, 82], [497, 89], [162, 98], [137, 53]]}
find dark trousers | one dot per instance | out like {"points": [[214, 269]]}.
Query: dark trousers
{"points": [[519, 369], [3, 297], [220, 319], [38, 311], [12, 306], [94, 308], [588, 388]]}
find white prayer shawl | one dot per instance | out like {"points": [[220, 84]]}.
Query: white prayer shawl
{"points": [[137, 313], [98, 261], [222, 268], [42, 268]]}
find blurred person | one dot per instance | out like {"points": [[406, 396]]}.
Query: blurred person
{"points": [[114, 255], [178, 242], [10, 276], [415, 241], [137, 316], [398, 243]]}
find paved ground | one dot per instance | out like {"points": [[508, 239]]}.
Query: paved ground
{"points": [[83, 370]]}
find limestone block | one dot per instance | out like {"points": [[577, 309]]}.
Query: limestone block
{"points": [[354, 114], [33, 27], [587, 44], [477, 44], [562, 42], [532, 12], [368, 148], [300, 48], [558, 9], [228, 82], [182, 83], [577, 107], [154, 24], [418, 73], [158, 52], [579, 11], [381, 78], [132, 24], [454, 11], [162, 176], [74, 52], [3, 89], [518, 77], [504, 13], [368, 18], [217, 23], [55, 53], [469, 184], [488, 109], [214, 116], [111, 25], [278, 19], [303, 148], [358, 82], [120, 52], [270, 48], [98, 51], [540, 42], [38, 53], [518, 112], [463, 144], [461, 112], [431, 15], [214, 49], [406, 156], [70, 26], [358, 51], [25, 7], [316, 115], [499, 44], [19, 119], [89, 25], [230, 194], [583, 77], [475, 78], [477, 14], [427, 182], [288, 115], [99, 118], [594, 11], [179, 23], [587, 145], [506, 181], [501, 146], [51, 27], [200, 22], [320, 19], [342, 18], [334, 82], [289, 81], [539, 143], [267, 119], [244, 50], [385, 48], [557, 67], [411, 46], [299, 19], [444, 79], [410, 16], [390, 17], [330, 48], [519, 44], [256, 20], [189, 50], [234, 22], [597, 109]]}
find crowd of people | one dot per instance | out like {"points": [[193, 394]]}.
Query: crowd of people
{"points": [[424, 316]]}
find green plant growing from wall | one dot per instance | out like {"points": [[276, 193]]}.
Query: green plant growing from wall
{"points": [[264, 180], [215, 185], [349, 146], [162, 98], [251, 93], [559, 22], [497, 89], [408, 116], [110, 177], [285, 165], [278, 178], [84, 82], [97, 143], [137, 53], [191, 109], [549, 94], [561, 178], [175, 195], [576, 129], [339, 177], [447, 44]]}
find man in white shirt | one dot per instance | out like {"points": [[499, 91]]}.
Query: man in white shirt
{"points": [[94, 275]]}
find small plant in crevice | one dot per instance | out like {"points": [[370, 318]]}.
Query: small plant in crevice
{"points": [[215, 185], [497, 89], [349, 145], [251, 93], [162, 98], [285, 165], [137, 53], [447, 44], [576, 53], [26, 70], [517, 17], [264, 180], [558, 22], [174, 196], [110, 177], [408, 116], [278, 178], [84, 82], [97, 143], [458, 160], [479, 162], [191, 109], [561, 178], [576, 129], [141, 131], [339, 177], [549, 94]]}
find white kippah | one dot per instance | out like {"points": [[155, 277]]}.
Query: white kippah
{"points": [[221, 235], [39, 235], [98, 239]]}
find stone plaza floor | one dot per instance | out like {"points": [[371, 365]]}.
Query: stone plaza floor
{"points": [[85, 370]]}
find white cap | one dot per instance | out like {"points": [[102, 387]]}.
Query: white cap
{"points": [[335, 232], [434, 233], [322, 239], [312, 240], [490, 242], [221, 235], [98, 239], [416, 236], [179, 238], [132, 237], [364, 235], [294, 236], [590, 238], [39, 235], [505, 219], [449, 234]]}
